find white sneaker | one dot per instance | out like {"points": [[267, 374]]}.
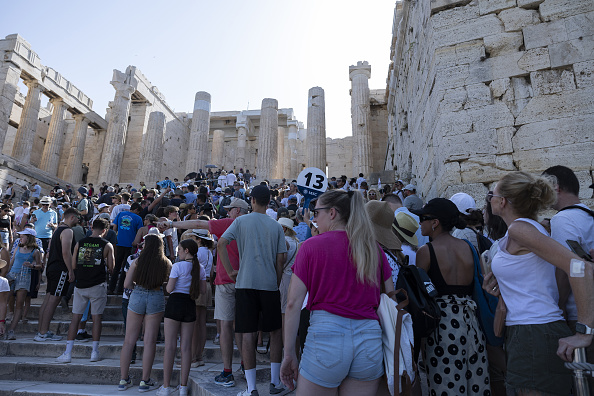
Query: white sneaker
{"points": [[183, 390], [162, 391], [64, 358], [39, 337], [95, 356]]}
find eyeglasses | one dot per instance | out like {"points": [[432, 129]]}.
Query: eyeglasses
{"points": [[315, 211], [491, 195], [423, 218]]}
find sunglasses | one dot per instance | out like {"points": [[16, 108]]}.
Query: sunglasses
{"points": [[423, 218], [491, 195], [315, 211]]}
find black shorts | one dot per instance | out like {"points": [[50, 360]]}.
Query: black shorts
{"points": [[34, 281], [257, 306], [180, 307], [57, 282], [45, 244]]}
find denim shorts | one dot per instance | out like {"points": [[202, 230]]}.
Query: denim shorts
{"points": [[146, 302], [338, 347]]}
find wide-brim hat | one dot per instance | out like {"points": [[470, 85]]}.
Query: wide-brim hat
{"points": [[46, 200], [381, 216], [286, 222], [406, 226], [204, 234]]}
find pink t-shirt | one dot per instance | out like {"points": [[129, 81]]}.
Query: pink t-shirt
{"points": [[324, 266], [218, 228]]}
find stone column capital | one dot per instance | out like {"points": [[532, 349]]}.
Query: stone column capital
{"points": [[33, 84], [81, 118], [123, 89], [293, 123], [58, 103], [360, 68]]}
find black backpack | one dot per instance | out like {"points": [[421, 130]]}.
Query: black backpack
{"points": [[422, 307], [484, 243]]}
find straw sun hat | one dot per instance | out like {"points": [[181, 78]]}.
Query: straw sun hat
{"points": [[381, 216]]}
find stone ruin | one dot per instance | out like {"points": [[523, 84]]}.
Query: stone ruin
{"points": [[478, 88]]}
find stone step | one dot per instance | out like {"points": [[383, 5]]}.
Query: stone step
{"points": [[45, 377], [109, 348], [108, 328], [111, 312]]}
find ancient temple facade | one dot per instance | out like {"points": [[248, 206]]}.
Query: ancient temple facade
{"points": [[49, 131]]}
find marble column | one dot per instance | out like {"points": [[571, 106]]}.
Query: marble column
{"points": [[241, 145], [218, 148], [280, 153], [198, 149], [360, 117], [50, 158], [23, 142], [316, 129], [115, 138], [292, 157], [74, 170], [267, 141], [151, 154], [9, 80]]}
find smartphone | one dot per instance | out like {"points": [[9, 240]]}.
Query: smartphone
{"points": [[577, 249]]}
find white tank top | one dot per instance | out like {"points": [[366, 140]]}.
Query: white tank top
{"points": [[527, 284]]}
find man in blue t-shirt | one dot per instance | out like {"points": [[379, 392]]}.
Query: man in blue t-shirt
{"points": [[46, 221], [126, 224]]}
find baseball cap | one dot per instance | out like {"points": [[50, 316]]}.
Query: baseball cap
{"points": [[28, 231], [292, 197], [83, 190], [136, 195], [410, 187], [463, 202], [442, 208], [218, 189], [237, 203]]}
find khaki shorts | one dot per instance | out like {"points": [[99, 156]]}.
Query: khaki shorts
{"points": [[97, 295], [225, 302], [205, 299]]}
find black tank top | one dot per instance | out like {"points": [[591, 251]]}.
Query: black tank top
{"points": [[5, 223], [55, 259], [440, 284], [90, 263]]}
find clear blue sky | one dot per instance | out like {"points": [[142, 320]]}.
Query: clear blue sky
{"points": [[238, 51]]}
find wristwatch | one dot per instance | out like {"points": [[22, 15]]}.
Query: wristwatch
{"points": [[583, 329]]}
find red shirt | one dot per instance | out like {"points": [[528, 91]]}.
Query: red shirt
{"points": [[324, 266], [218, 228]]}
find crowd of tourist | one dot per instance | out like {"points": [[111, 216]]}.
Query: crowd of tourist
{"points": [[307, 278]]}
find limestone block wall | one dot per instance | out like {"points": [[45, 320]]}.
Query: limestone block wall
{"points": [[478, 88], [340, 156], [378, 127]]}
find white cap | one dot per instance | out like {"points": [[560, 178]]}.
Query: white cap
{"points": [[410, 187], [463, 202], [28, 231]]}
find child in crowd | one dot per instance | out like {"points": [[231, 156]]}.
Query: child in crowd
{"points": [[186, 280]]}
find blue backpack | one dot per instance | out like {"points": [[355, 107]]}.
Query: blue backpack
{"points": [[486, 303]]}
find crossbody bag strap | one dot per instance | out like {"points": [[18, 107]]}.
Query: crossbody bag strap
{"points": [[591, 213]]}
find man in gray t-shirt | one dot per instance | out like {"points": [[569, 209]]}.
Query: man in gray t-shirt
{"points": [[262, 255]]}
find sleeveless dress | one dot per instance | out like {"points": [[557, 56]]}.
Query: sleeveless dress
{"points": [[19, 272], [455, 354]]}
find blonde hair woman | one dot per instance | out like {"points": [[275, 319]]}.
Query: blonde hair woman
{"points": [[524, 268], [340, 268]]}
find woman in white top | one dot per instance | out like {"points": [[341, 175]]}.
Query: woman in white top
{"points": [[524, 268], [205, 258], [186, 280]]}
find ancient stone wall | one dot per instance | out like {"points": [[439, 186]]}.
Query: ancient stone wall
{"points": [[478, 88]]}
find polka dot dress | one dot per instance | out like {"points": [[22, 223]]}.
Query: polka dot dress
{"points": [[455, 355]]}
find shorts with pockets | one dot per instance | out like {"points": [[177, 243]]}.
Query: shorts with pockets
{"points": [[97, 295], [257, 310], [146, 302], [225, 302], [337, 348]]}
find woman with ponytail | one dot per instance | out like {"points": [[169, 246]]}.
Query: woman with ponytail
{"points": [[341, 269], [186, 280], [524, 274], [455, 354]]}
